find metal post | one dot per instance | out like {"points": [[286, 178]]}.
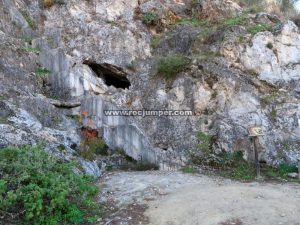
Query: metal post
{"points": [[256, 158]]}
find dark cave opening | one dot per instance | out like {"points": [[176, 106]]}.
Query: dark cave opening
{"points": [[112, 75]]}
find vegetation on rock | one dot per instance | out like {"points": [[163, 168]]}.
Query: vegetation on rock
{"points": [[42, 72], [92, 147], [150, 18], [28, 19], [169, 66], [38, 189], [232, 164]]}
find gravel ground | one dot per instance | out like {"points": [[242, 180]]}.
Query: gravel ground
{"points": [[174, 198]]}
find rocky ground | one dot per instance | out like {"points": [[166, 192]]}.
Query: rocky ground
{"points": [[175, 198]]}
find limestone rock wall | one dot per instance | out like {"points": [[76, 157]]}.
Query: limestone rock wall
{"points": [[246, 82]]}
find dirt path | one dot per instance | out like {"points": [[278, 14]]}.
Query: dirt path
{"points": [[174, 198]]}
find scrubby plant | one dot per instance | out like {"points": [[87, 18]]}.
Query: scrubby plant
{"points": [[169, 66], [188, 169], [150, 18], [92, 147], [98, 146], [27, 39], [285, 168], [32, 50], [235, 166], [281, 172], [155, 41], [61, 147], [135, 165], [38, 189], [268, 99], [42, 71], [194, 21], [237, 20], [205, 141], [77, 118], [258, 28], [273, 113], [27, 18], [4, 120]]}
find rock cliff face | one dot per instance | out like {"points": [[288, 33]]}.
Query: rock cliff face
{"points": [[99, 55]]}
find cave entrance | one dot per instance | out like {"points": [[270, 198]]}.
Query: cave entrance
{"points": [[112, 75]]}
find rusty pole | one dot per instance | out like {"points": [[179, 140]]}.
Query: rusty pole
{"points": [[256, 157]]}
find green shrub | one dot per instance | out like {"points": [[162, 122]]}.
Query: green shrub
{"points": [[42, 72], [273, 113], [171, 65], [32, 50], [150, 18], [205, 141], [61, 147], [268, 99], [188, 169], [38, 189], [194, 21], [281, 172], [237, 20], [92, 147], [98, 146], [77, 118], [258, 28], [234, 166], [286, 168], [4, 120]]}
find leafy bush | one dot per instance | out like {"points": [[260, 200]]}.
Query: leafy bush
{"points": [[98, 146], [286, 168], [150, 18], [171, 65], [238, 168], [37, 189]]}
